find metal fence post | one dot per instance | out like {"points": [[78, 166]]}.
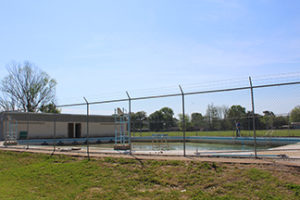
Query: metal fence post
{"points": [[288, 116], [27, 129], [54, 133], [87, 127], [183, 119], [253, 116], [129, 122]]}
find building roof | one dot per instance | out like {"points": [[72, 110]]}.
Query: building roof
{"points": [[23, 116]]}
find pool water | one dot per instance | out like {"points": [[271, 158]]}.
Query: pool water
{"points": [[191, 146]]}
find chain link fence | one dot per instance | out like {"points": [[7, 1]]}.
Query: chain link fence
{"points": [[214, 122]]}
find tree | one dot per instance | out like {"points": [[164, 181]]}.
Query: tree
{"points": [[222, 111], [156, 121], [280, 121], [259, 124], [168, 117], [213, 117], [7, 103], [225, 123], [49, 108], [162, 119], [197, 121], [187, 120], [26, 88], [295, 114], [268, 119], [137, 120], [237, 113]]}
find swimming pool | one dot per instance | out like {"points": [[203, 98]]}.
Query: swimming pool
{"points": [[190, 146]]}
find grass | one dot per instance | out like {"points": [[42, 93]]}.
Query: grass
{"points": [[37, 176], [245, 133]]}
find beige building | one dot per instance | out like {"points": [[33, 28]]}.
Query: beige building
{"points": [[47, 126]]}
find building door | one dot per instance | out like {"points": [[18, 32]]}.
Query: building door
{"points": [[78, 130], [70, 130]]}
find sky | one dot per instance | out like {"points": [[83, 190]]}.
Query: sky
{"points": [[100, 49]]}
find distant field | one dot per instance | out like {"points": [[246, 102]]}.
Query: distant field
{"points": [[245, 133], [36, 176]]}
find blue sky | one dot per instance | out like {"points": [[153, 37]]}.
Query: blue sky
{"points": [[100, 49]]}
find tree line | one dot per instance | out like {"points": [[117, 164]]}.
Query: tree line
{"points": [[216, 118]]}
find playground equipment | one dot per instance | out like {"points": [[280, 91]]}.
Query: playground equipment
{"points": [[160, 142], [122, 130], [11, 130]]}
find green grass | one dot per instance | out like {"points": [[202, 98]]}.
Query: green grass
{"points": [[37, 176], [245, 133]]}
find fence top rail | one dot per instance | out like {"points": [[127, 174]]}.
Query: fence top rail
{"points": [[179, 94]]}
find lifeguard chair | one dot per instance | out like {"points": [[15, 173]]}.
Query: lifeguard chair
{"points": [[122, 120]]}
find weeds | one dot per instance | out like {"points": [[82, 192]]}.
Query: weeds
{"points": [[36, 176]]}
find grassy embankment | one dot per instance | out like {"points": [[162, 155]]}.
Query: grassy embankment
{"points": [[36, 176], [245, 133]]}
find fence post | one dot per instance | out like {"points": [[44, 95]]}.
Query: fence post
{"points": [[129, 121], [87, 127], [27, 129], [183, 120], [54, 133], [253, 116], [288, 116]]}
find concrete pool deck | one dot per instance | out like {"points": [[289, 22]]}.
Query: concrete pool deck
{"points": [[287, 154], [275, 141]]}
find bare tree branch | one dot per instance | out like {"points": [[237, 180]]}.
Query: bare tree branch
{"points": [[26, 88]]}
